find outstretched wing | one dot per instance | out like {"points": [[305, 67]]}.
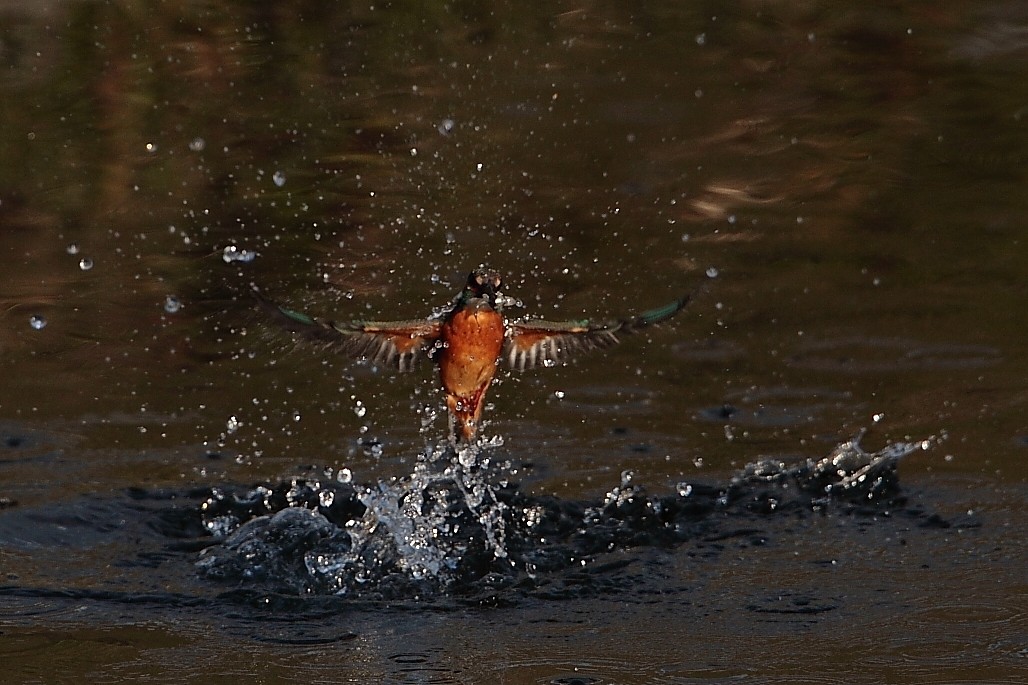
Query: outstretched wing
{"points": [[549, 343], [387, 343]]}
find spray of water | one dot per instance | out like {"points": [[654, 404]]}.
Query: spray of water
{"points": [[458, 525]]}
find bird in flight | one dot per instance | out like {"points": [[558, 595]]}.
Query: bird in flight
{"points": [[467, 341]]}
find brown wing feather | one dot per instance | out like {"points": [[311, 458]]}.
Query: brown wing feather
{"points": [[549, 343], [388, 343]]}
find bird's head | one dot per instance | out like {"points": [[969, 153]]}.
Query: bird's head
{"points": [[484, 284]]}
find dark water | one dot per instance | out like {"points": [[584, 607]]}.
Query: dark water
{"points": [[842, 188]]}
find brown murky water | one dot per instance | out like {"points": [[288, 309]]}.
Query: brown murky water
{"points": [[843, 188]]}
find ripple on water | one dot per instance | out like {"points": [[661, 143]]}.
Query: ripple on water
{"points": [[20, 443], [978, 613], [859, 354], [774, 407]]}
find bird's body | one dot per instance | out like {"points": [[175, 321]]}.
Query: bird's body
{"points": [[473, 338], [468, 342]]}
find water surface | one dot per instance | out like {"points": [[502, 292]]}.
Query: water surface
{"points": [[841, 188]]}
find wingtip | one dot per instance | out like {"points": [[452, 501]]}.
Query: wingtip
{"points": [[284, 315], [664, 313]]}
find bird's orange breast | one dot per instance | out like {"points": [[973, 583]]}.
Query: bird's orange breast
{"points": [[473, 339]]}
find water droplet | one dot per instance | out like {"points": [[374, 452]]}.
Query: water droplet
{"points": [[559, 394], [197, 144], [684, 489], [232, 424], [446, 126], [344, 475], [73, 248], [172, 304], [360, 410], [467, 456], [279, 178], [234, 254], [37, 321], [712, 272], [151, 148], [86, 263], [701, 39], [371, 447]]}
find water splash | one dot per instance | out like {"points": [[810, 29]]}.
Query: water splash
{"points": [[400, 537], [849, 471], [458, 526]]}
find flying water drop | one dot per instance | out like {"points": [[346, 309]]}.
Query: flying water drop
{"points": [[37, 321], [234, 254]]}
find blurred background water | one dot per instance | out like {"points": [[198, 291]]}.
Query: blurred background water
{"points": [[843, 187]]}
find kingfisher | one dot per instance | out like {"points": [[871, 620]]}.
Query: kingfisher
{"points": [[467, 341]]}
